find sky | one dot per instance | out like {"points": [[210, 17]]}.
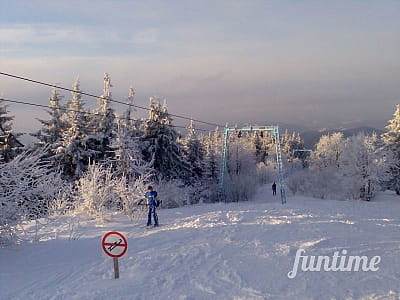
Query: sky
{"points": [[317, 64]]}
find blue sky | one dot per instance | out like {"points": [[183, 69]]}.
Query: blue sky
{"points": [[312, 63]]}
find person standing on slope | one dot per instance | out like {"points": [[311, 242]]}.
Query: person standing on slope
{"points": [[274, 189], [152, 203]]}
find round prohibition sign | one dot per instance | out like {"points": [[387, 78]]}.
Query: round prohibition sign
{"points": [[114, 244]]}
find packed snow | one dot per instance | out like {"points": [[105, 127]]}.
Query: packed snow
{"points": [[213, 251]]}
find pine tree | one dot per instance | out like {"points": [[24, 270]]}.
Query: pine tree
{"points": [[102, 125], [73, 154], [391, 139], [194, 152], [128, 158], [212, 157], [290, 142], [160, 145], [268, 147], [258, 147], [9, 144], [128, 117], [52, 129]]}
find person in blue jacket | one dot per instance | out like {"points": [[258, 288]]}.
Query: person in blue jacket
{"points": [[152, 203]]}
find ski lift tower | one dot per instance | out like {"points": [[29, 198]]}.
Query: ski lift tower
{"points": [[223, 186]]}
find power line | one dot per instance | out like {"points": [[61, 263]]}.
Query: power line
{"points": [[95, 96], [82, 112]]}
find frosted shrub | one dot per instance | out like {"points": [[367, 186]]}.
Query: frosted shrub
{"points": [[64, 200], [130, 195], [298, 182], [173, 193], [96, 192], [208, 193], [27, 187], [317, 183], [99, 191]]}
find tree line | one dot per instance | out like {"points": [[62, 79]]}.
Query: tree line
{"points": [[97, 160]]}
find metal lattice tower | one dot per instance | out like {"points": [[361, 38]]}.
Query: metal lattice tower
{"points": [[223, 187]]}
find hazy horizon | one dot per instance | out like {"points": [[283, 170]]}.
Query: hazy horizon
{"points": [[315, 64]]}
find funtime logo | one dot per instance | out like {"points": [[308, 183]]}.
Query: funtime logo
{"points": [[340, 261]]}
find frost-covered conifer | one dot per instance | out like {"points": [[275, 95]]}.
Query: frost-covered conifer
{"points": [[52, 129], [9, 144], [391, 139], [194, 152], [128, 158], [102, 125], [160, 145], [212, 157], [73, 154]]}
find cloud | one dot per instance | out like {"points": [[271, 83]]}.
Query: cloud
{"points": [[146, 36], [219, 60], [42, 34]]}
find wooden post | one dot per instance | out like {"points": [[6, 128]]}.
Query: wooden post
{"points": [[116, 268]]}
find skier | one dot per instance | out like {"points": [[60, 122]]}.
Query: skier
{"points": [[274, 189], [152, 203]]}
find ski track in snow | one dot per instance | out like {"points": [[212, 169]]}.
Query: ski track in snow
{"points": [[216, 251]]}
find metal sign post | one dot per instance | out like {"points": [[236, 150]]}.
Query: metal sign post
{"points": [[114, 244], [116, 268]]}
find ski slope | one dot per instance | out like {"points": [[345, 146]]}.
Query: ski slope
{"points": [[214, 251]]}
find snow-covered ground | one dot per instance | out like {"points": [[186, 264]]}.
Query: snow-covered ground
{"points": [[214, 251]]}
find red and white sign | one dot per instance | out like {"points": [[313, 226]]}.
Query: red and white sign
{"points": [[114, 244]]}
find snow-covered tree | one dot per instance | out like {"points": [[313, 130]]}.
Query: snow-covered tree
{"points": [[290, 142], [258, 146], [363, 165], [128, 159], [160, 144], [73, 154], [242, 170], [52, 129], [194, 152], [327, 151], [9, 144], [102, 125], [323, 179], [212, 159], [128, 117], [391, 139]]}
